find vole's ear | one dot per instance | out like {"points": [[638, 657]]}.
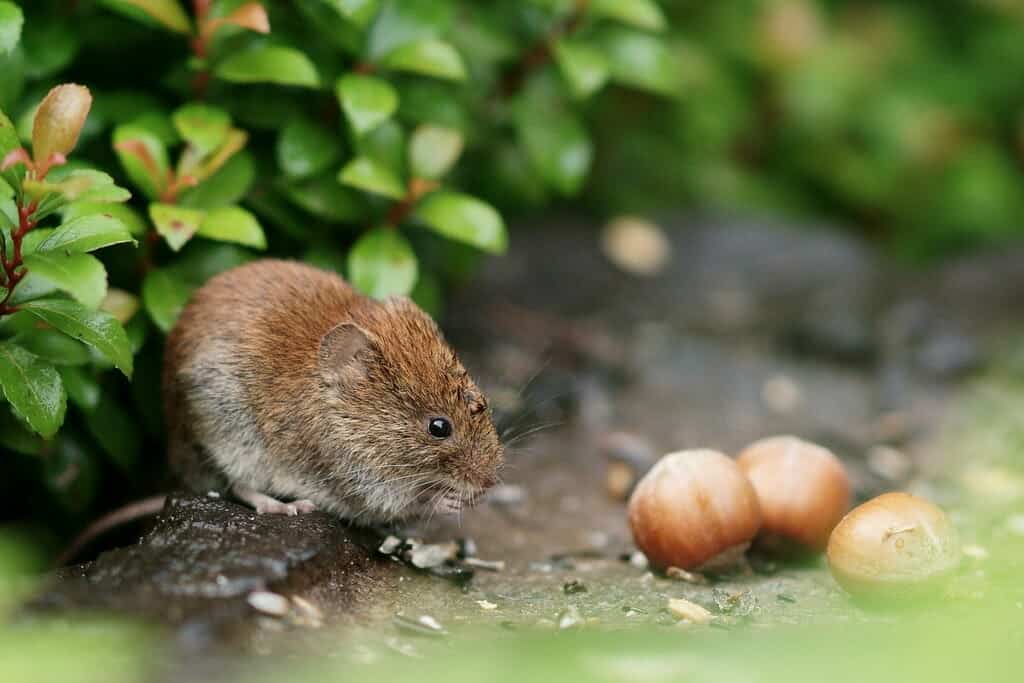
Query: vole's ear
{"points": [[344, 351]]}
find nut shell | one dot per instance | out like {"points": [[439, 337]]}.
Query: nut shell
{"points": [[803, 489], [893, 546], [691, 507]]}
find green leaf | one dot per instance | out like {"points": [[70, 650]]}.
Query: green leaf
{"points": [[405, 21], [54, 347], [16, 436], [305, 148], [116, 432], [382, 264], [11, 21], [372, 176], [640, 13], [167, 13], [428, 57], [584, 66], [367, 101], [359, 12], [387, 145], [81, 385], [642, 61], [80, 275], [325, 198], [233, 224], [558, 147], [433, 150], [129, 218], [269, 64], [33, 388], [464, 219], [227, 186], [98, 329], [87, 233], [164, 294], [144, 158], [175, 224], [8, 136], [202, 126]]}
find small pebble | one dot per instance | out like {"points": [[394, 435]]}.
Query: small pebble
{"points": [[428, 556], [636, 246], [683, 575], [268, 603], [690, 611], [213, 494], [570, 618], [486, 605], [390, 545], [489, 565], [573, 586], [308, 613], [781, 394], [638, 560]]}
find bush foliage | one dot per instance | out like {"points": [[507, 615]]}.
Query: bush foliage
{"points": [[389, 140]]}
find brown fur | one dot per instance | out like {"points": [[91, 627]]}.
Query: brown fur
{"points": [[280, 377]]}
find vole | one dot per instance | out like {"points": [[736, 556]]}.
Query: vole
{"points": [[286, 387]]}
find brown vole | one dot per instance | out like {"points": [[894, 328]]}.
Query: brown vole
{"points": [[282, 383]]}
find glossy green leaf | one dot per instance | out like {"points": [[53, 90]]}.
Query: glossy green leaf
{"points": [[400, 22], [175, 224], [584, 66], [80, 275], [11, 21], [640, 13], [370, 175], [464, 219], [164, 294], [428, 57], [382, 264], [227, 186], [54, 347], [433, 150], [81, 385], [33, 388], [98, 329], [325, 198], [387, 145], [367, 101], [129, 218], [88, 233], [202, 126], [558, 147], [305, 148], [167, 13], [233, 224], [144, 158], [269, 64], [642, 61]]}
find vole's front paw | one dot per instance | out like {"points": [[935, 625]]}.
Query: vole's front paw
{"points": [[266, 505]]}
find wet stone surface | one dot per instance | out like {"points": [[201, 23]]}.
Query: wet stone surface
{"points": [[750, 330]]}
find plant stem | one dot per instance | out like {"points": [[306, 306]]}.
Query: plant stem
{"points": [[540, 53], [13, 267]]}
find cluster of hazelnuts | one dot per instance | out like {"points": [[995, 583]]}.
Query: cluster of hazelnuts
{"points": [[790, 495]]}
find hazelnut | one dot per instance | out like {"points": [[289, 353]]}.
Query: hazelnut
{"points": [[893, 546], [692, 507], [803, 490]]}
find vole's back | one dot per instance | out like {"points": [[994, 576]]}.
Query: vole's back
{"points": [[242, 353]]}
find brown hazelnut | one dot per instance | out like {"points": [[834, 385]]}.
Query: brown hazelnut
{"points": [[803, 490], [893, 546], [692, 507]]}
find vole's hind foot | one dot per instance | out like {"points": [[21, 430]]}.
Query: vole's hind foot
{"points": [[267, 505]]}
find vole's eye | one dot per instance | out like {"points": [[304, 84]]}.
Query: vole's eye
{"points": [[439, 427]]}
